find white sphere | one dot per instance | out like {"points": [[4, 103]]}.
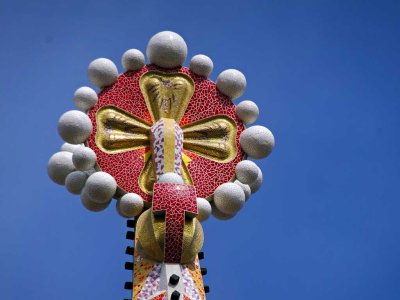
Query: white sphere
{"points": [[167, 49], [70, 147], [246, 171], [133, 60], [231, 83], [201, 65], [220, 215], [74, 127], [102, 72], [84, 158], [255, 186], [246, 189], [247, 111], [100, 187], [85, 98], [170, 177], [130, 205], [91, 205], [229, 198], [75, 182], [203, 209], [59, 166], [257, 141]]}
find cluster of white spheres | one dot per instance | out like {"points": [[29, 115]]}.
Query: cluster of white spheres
{"points": [[74, 164]]}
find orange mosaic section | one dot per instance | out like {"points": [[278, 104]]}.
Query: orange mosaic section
{"points": [[141, 272], [195, 272], [161, 296]]}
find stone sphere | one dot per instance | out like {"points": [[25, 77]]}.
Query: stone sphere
{"points": [[100, 187], [246, 189], [203, 209], [201, 65], [167, 49], [91, 205], [229, 198], [130, 205], [84, 158], [170, 178], [255, 186], [220, 215], [59, 166], [246, 171], [133, 60], [102, 72], [231, 83], [74, 127], [85, 98], [75, 182], [257, 141], [247, 111], [70, 147]]}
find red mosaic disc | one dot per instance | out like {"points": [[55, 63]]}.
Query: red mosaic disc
{"points": [[207, 101]]}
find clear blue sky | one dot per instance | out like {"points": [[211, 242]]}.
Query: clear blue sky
{"points": [[325, 74]]}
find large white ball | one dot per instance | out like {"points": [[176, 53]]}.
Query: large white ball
{"points": [[90, 204], [102, 72], [85, 98], [167, 49], [201, 65], [170, 177], [203, 209], [84, 158], [246, 171], [229, 198], [255, 185], [75, 182], [74, 127], [219, 214], [231, 83], [257, 141], [59, 166], [133, 60], [130, 205], [246, 189], [100, 187], [247, 111], [70, 147]]}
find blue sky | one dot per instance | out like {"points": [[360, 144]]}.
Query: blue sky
{"points": [[325, 74]]}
